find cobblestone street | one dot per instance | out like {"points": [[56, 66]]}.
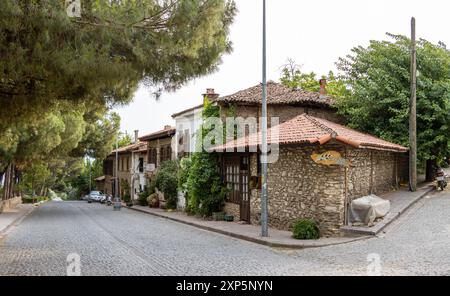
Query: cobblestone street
{"points": [[132, 243]]}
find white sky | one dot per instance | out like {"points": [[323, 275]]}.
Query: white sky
{"points": [[314, 33]]}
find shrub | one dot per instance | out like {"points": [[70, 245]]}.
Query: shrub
{"points": [[166, 181], [183, 173], [306, 229], [143, 197], [153, 200], [206, 192], [27, 199]]}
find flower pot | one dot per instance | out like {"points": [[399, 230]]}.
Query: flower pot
{"points": [[229, 218]]}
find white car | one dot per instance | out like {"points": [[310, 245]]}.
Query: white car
{"points": [[95, 196]]}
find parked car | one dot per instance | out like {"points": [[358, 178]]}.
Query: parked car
{"points": [[103, 198], [95, 196]]}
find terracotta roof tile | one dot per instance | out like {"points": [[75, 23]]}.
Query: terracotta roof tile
{"points": [[308, 129], [159, 134], [139, 146], [278, 94]]}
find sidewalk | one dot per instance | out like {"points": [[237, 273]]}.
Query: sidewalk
{"points": [[401, 200], [10, 217], [278, 238]]}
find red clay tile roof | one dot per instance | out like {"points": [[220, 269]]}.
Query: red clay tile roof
{"points": [[308, 129], [137, 147], [159, 134], [278, 94]]}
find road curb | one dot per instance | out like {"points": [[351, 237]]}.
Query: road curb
{"points": [[253, 239], [17, 220]]}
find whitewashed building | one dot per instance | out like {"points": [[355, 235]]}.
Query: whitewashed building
{"points": [[188, 124]]}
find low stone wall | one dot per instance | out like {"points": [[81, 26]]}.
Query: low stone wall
{"points": [[10, 203], [233, 209]]}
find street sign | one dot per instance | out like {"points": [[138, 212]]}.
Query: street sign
{"points": [[150, 167]]}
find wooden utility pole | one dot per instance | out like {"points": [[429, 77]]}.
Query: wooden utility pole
{"points": [[413, 113]]}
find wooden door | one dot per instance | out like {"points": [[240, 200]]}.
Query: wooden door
{"points": [[232, 179], [237, 178], [244, 177]]}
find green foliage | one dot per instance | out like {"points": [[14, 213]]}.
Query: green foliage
{"points": [[35, 178], [183, 173], [293, 77], [379, 79], [202, 181], [144, 195], [126, 194], [166, 181], [78, 185], [60, 76], [124, 140], [306, 229], [27, 199], [153, 200], [48, 57]]}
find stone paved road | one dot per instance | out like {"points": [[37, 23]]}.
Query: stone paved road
{"points": [[132, 243]]}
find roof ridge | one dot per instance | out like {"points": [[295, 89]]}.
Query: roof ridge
{"points": [[316, 122]]}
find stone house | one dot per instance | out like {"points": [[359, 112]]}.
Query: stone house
{"points": [[159, 148], [131, 170], [321, 167]]}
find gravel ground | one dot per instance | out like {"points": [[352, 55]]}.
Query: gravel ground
{"points": [[132, 243]]}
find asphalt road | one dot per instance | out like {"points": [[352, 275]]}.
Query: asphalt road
{"points": [[132, 243]]}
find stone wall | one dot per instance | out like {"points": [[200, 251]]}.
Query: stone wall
{"points": [[300, 188], [374, 172], [232, 209], [10, 203]]}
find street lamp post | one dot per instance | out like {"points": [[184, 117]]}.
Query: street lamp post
{"points": [[90, 178], [264, 197], [117, 203]]}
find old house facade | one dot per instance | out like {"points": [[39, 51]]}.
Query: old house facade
{"points": [[301, 183], [159, 148], [130, 170]]}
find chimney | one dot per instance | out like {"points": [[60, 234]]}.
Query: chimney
{"points": [[167, 127], [323, 88], [211, 94], [136, 136]]}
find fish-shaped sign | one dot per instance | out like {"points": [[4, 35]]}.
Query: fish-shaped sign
{"points": [[330, 158]]}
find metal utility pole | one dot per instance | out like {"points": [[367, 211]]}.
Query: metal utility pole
{"points": [[413, 113], [117, 203], [264, 197]]}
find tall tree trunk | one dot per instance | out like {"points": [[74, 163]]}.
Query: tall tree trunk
{"points": [[430, 170], [7, 185], [12, 181]]}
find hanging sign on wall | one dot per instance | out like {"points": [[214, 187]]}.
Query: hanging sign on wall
{"points": [[330, 158]]}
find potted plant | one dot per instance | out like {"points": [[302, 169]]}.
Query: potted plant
{"points": [[229, 218]]}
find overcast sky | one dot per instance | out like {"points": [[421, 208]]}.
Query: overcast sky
{"points": [[314, 33]]}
